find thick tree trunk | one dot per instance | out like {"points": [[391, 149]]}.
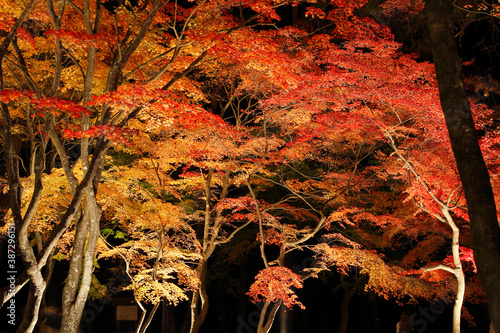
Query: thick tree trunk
{"points": [[285, 320], [199, 301], [470, 162], [168, 317], [82, 260], [404, 325], [265, 324]]}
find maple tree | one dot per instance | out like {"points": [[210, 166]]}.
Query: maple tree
{"points": [[217, 157], [230, 120], [473, 171], [450, 206], [375, 96], [470, 159], [211, 158], [119, 35], [323, 121]]}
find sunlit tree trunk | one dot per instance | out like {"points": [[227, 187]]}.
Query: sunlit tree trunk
{"points": [[49, 269], [199, 300], [285, 317], [37, 285]]}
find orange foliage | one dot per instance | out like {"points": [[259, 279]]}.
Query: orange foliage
{"points": [[275, 284]]}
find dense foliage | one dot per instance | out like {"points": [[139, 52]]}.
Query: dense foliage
{"points": [[142, 139]]}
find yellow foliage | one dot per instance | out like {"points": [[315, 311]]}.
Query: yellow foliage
{"points": [[384, 280]]}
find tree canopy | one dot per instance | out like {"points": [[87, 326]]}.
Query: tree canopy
{"points": [[143, 139]]}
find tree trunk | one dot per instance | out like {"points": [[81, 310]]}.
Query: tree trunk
{"points": [[144, 327], [33, 305], [473, 172], [49, 269], [344, 309], [199, 301], [285, 316], [211, 227], [37, 283], [404, 325], [168, 317], [458, 272], [82, 262], [265, 324]]}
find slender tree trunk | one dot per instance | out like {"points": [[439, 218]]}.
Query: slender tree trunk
{"points": [[470, 162], [32, 157], [457, 307], [344, 309], [33, 306], [50, 160], [211, 228], [150, 318], [459, 273], [37, 282], [49, 269]]}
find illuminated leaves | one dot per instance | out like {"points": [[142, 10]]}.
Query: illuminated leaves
{"points": [[240, 209], [466, 255], [299, 118], [276, 284], [383, 279], [76, 38], [393, 6], [51, 206], [114, 133], [315, 12], [10, 95], [341, 239], [425, 251], [58, 106], [154, 290]]}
